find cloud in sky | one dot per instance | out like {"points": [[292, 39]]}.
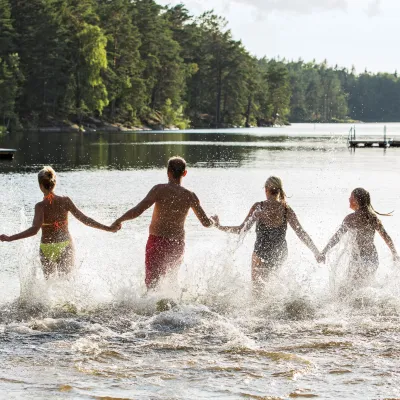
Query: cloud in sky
{"points": [[346, 32], [370, 7], [297, 6], [374, 8]]}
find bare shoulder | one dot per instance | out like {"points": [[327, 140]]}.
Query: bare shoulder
{"points": [[288, 209], [156, 191], [39, 206], [160, 188], [349, 220], [257, 207], [65, 200], [191, 195], [378, 222]]}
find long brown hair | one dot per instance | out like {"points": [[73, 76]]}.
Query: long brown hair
{"points": [[363, 199]]}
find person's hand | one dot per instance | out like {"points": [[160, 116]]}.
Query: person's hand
{"points": [[215, 219], [5, 238], [115, 227]]}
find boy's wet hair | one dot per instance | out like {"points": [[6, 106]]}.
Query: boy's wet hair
{"points": [[177, 166]]}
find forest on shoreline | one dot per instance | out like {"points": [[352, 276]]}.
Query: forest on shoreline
{"points": [[135, 63]]}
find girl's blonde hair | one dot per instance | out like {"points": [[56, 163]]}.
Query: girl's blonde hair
{"points": [[363, 199], [47, 177], [275, 186]]}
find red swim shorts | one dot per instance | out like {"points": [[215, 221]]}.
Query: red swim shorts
{"points": [[162, 256]]}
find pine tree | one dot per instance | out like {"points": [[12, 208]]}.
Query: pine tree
{"points": [[10, 76], [86, 92], [125, 86]]}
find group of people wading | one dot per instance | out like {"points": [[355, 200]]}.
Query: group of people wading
{"points": [[166, 243]]}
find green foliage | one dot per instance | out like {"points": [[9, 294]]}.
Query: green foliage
{"points": [[9, 81], [173, 117], [279, 90], [123, 78], [134, 61], [10, 75]]}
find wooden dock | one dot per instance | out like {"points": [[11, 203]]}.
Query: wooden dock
{"points": [[382, 143], [7, 154]]}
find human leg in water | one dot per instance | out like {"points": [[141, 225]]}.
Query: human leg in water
{"points": [[163, 256], [57, 257], [263, 268]]}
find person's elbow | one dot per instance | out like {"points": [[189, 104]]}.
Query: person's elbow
{"points": [[34, 230]]}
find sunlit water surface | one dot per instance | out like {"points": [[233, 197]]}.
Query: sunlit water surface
{"points": [[98, 336]]}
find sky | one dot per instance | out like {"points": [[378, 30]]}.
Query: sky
{"points": [[363, 33]]}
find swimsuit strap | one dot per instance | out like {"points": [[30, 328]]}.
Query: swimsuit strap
{"points": [[49, 197], [57, 224], [286, 212]]}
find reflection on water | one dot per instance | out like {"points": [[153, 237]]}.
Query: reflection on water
{"points": [[138, 150], [152, 149], [97, 335]]}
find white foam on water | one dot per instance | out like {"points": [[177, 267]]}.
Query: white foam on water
{"points": [[205, 335]]}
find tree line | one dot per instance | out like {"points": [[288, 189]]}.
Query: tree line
{"points": [[135, 62]]}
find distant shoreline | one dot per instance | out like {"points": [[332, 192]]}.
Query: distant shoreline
{"points": [[117, 128]]}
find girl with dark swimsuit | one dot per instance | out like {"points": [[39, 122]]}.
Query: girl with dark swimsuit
{"points": [[271, 218], [363, 224], [51, 215]]}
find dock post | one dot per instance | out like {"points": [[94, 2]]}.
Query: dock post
{"points": [[384, 136]]}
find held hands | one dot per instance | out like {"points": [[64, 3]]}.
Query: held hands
{"points": [[5, 238], [320, 257], [115, 227], [215, 219]]}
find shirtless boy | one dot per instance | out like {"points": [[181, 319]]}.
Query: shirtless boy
{"points": [[166, 244]]}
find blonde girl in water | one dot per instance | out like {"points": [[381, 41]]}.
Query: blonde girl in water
{"points": [[271, 217], [51, 215], [362, 223]]}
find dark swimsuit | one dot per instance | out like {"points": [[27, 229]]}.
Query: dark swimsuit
{"points": [[364, 260], [271, 244]]}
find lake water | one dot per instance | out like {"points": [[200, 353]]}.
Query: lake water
{"points": [[97, 336]]}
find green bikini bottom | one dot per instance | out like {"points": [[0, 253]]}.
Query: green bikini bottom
{"points": [[53, 251]]}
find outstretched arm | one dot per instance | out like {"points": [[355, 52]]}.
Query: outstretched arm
{"points": [[80, 216], [140, 208], [200, 213], [301, 233], [32, 231], [335, 238], [388, 240], [246, 224]]}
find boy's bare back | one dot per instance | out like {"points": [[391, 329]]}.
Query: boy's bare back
{"points": [[172, 205]]}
